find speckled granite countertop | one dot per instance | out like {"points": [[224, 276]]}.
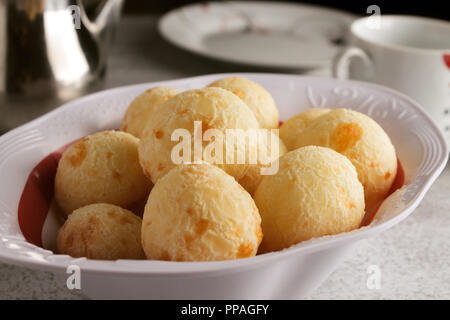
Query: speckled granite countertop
{"points": [[413, 256]]}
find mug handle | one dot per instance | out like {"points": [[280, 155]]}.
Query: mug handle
{"points": [[342, 60]]}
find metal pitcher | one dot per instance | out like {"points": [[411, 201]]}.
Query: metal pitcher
{"points": [[54, 48]]}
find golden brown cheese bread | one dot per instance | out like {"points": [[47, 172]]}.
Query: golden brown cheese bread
{"points": [[101, 168], [142, 108], [361, 140], [216, 108], [291, 129], [101, 231], [316, 192], [255, 96], [200, 213], [265, 160]]}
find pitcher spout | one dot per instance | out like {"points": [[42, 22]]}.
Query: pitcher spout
{"points": [[107, 15]]}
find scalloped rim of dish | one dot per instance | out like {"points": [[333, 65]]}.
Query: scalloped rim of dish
{"points": [[160, 268]]}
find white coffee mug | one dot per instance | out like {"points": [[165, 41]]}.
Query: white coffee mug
{"points": [[409, 54]]}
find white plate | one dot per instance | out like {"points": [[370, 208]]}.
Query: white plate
{"points": [[265, 34], [291, 273]]}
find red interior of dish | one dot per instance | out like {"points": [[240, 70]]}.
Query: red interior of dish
{"points": [[398, 182], [37, 196]]}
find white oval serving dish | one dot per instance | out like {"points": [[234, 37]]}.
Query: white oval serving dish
{"points": [[288, 274]]}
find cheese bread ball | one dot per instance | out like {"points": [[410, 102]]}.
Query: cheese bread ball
{"points": [[291, 129], [364, 142], [142, 107], [316, 192], [198, 212], [101, 168], [265, 163], [255, 96], [215, 108], [101, 231]]}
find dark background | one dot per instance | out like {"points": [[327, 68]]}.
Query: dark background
{"points": [[430, 8]]}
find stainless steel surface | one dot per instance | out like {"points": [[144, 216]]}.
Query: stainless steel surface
{"points": [[53, 48]]}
